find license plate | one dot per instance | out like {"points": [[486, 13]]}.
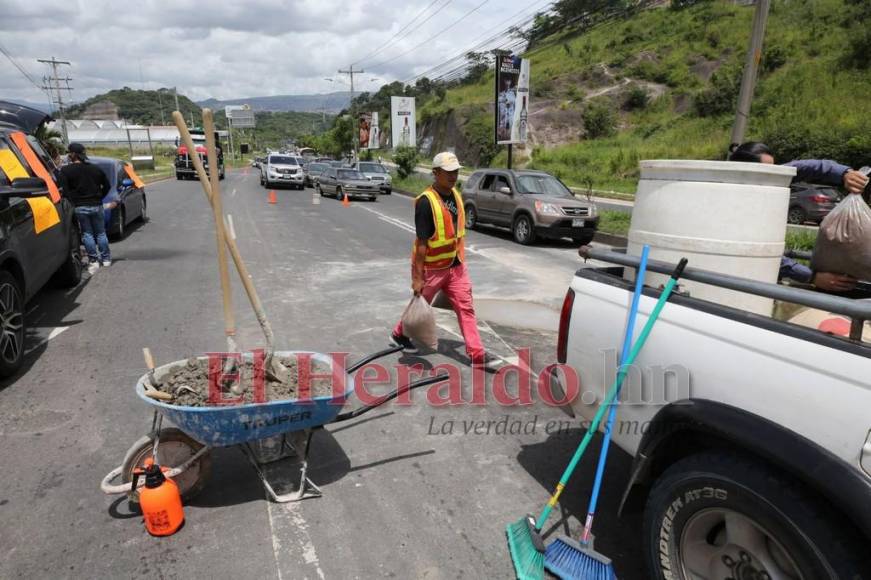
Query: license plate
{"points": [[576, 223]]}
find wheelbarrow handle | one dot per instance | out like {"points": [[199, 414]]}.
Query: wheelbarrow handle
{"points": [[414, 385]]}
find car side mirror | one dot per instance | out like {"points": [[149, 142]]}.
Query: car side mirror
{"points": [[127, 182], [505, 190]]}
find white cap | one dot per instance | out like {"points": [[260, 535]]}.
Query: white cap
{"points": [[447, 161]]}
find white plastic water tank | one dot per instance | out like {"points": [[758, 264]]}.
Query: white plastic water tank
{"points": [[723, 216]]}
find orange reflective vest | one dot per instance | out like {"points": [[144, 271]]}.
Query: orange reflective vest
{"points": [[446, 244]]}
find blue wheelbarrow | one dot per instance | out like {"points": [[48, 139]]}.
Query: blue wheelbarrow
{"points": [[265, 432]]}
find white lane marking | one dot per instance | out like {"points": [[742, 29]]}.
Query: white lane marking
{"points": [[57, 331], [233, 193], [298, 527], [391, 220], [407, 227]]}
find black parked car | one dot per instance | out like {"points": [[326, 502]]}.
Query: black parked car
{"points": [[811, 203], [131, 199], [39, 234]]}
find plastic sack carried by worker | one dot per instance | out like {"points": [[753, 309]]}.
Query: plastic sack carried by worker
{"points": [[418, 322], [844, 242]]}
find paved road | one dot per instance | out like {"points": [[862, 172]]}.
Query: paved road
{"points": [[408, 492]]}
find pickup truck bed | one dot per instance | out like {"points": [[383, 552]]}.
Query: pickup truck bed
{"points": [[750, 397]]}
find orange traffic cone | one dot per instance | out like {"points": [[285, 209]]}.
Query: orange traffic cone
{"points": [[345, 201], [272, 198]]}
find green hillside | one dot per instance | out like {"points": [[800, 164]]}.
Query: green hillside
{"points": [[670, 79], [141, 107]]}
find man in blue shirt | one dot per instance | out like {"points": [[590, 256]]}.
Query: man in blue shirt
{"points": [[814, 171]]}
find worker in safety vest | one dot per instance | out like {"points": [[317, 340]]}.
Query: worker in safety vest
{"points": [[438, 259]]}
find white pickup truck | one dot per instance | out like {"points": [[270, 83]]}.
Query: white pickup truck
{"points": [[751, 436]]}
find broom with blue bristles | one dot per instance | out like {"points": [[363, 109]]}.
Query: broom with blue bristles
{"points": [[524, 536], [564, 557]]}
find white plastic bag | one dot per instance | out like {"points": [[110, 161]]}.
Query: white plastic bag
{"points": [[844, 241], [418, 322]]}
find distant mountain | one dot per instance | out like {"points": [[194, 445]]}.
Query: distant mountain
{"points": [[330, 102]]}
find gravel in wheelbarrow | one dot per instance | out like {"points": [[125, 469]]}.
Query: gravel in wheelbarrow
{"points": [[188, 382]]}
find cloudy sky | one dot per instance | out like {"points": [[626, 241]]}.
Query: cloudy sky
{"points": [[239, 49]]}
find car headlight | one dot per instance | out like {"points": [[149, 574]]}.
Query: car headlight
{"points": [[547, 208]]}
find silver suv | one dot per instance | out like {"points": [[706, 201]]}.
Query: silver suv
{"points": [[532, 203], [284, 169], [378, 174]]}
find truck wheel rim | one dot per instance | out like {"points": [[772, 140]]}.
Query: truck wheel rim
{"points": [[470, 217], [722, 543], [11, 322], [522, 229]]}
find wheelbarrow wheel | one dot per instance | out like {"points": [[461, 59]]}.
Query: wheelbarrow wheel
{"points": [[175, 448]]}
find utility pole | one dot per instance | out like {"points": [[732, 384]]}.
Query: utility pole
{"points": [[175, 91], [58, 95], [751, 66], [351, 72]]}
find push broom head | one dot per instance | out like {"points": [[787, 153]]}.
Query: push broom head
{"points": [[567, 559], [527, 549]]}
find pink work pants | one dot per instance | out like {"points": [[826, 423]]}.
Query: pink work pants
{"points": [[456, 286]]}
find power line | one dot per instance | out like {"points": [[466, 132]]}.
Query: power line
{"points": [[396, 36], [439, 33], [20, 68], [515, 24]]}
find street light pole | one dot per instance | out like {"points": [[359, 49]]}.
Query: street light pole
{"points": [[351, 72]]}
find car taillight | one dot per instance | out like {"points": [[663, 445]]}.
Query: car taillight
{"points": [[562, 342], [820, 198]]}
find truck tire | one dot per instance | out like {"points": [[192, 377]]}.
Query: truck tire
{"points": [[523, 230], [471, 217], [723, 515], [796, 215], [12, 325]]}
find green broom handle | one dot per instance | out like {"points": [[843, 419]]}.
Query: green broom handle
{"points": [[612, 393]]}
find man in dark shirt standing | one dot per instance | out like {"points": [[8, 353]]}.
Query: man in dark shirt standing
{"points": [[86, 185], [438, 259]]}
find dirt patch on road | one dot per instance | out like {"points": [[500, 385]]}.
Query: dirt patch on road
{"points": [[189, 382]]}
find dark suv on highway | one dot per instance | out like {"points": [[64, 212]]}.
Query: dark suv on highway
{"points": [[39, 235], [532, 203]]}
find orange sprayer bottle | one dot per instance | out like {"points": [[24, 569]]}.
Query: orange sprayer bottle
{"points": [[160, 501]]}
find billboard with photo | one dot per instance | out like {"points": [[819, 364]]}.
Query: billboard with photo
{"points": [[402, 122], [512, 99], [368, 131]]}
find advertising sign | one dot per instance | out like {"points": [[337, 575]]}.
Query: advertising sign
{"points": [[512, 99], [402, 122], [370, 133]]}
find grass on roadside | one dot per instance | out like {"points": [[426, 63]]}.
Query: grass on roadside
{"points": [[614, 222], [412, 184]]}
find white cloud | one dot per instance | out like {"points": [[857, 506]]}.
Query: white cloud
{"points": [[233, 49]]}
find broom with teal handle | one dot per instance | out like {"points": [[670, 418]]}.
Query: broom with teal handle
{"points": [[524, 536], [564, 557]]}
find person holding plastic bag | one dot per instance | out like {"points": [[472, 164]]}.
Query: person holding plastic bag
{"points": [[438, 264], [856, 211]]}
